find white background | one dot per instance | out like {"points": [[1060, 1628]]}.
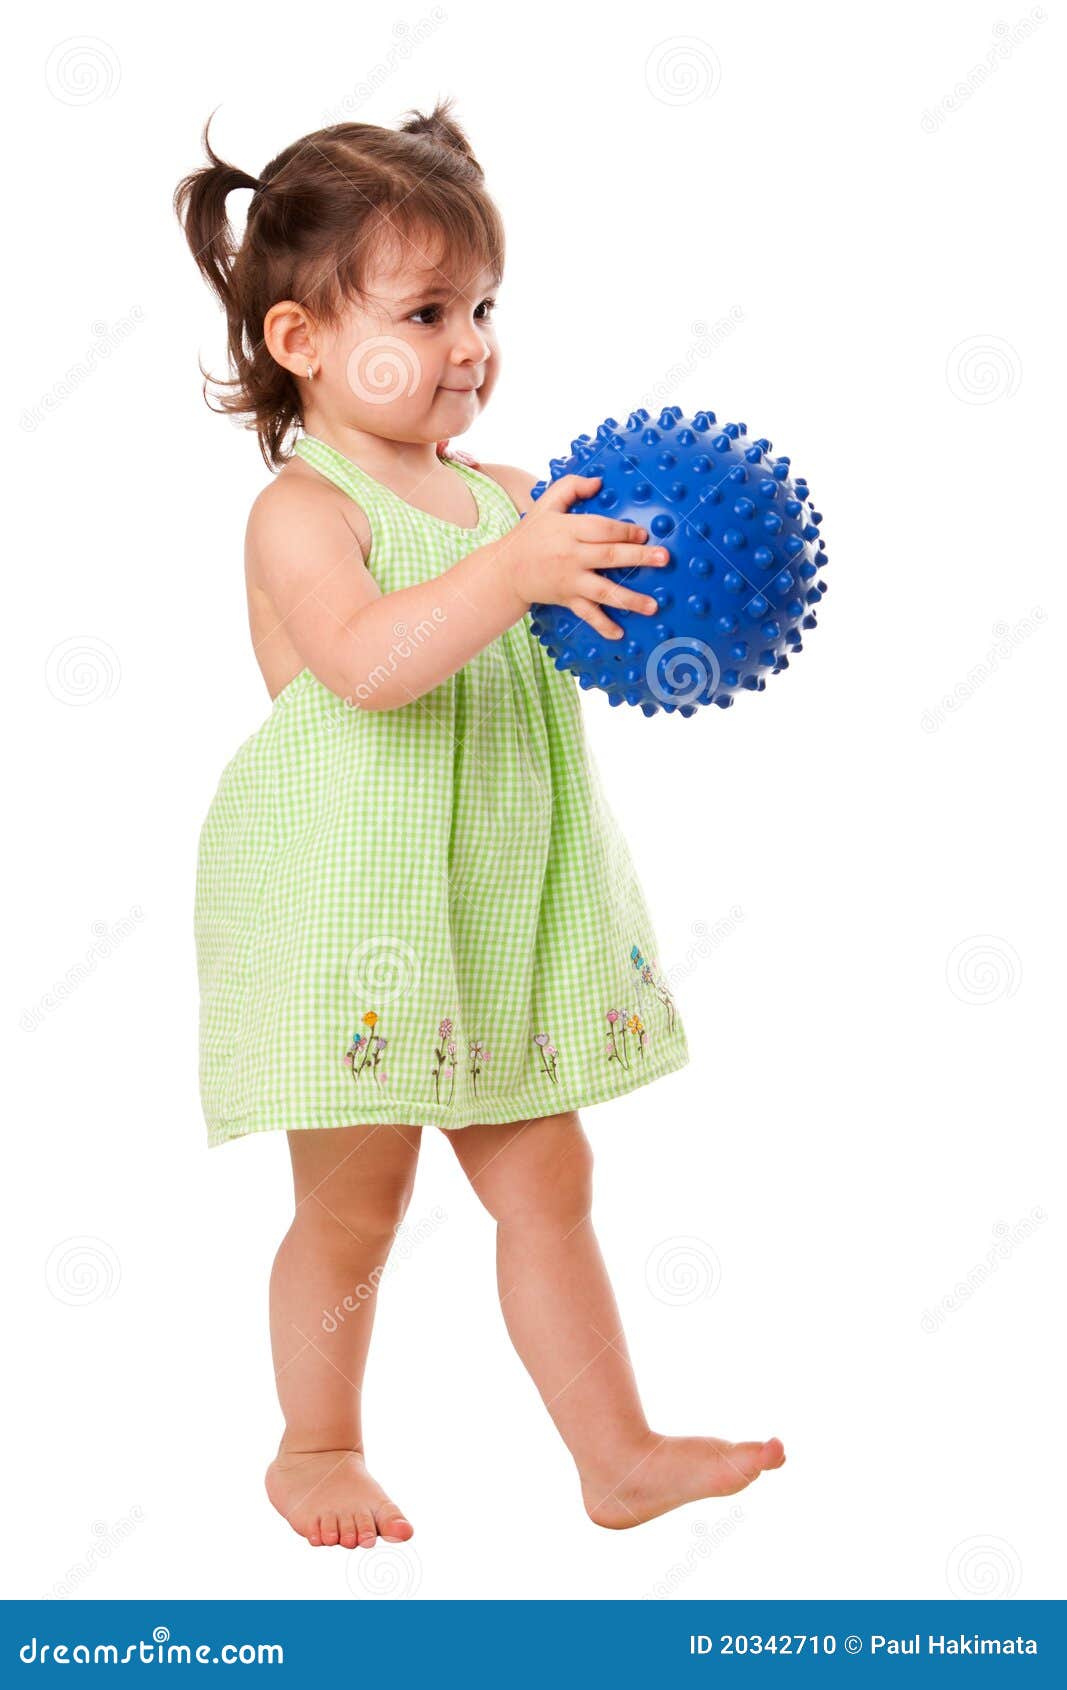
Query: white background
{"points": [[771, 211]]}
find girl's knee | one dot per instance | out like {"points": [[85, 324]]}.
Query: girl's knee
{"points": [[361, 1182], [355, 1217], [544, 1172]]}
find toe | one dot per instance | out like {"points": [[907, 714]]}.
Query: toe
{"points": [[366, 1529], [329, 1529], [314, 1534], [392, 1524], [347, 1526], [744, 1462], [773, 1452]]}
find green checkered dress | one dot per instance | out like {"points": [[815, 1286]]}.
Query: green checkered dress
{"points": [[424, 915]]}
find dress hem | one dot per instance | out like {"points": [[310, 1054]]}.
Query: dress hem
{"points": [[394, 1112]]}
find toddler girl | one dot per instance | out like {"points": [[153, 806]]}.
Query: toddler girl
{"points": [[413, 905]]}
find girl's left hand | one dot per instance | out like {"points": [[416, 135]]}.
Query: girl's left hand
{"points": [[446, 450]]}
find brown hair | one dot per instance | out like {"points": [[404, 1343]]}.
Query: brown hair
{"points": [[315, 222]]}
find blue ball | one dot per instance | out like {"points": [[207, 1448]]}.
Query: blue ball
{"points": [[741, 584]]}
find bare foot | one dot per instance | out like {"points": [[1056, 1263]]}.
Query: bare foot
{"points": [[668, 1472], [328, 1496]]}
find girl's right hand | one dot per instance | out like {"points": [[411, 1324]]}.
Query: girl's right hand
{"points": [[553, 556]]}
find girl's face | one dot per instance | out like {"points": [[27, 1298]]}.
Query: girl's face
{"points": [[419, 359]]}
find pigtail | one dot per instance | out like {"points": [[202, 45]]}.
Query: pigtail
{"points": [[442, 130], [200, 206]]}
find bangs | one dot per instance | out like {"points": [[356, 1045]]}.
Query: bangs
{"points": [[446, 250]]}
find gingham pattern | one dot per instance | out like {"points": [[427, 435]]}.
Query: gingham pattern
{"points": [[449, 868]]}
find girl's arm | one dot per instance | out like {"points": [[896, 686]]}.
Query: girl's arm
{"points": [[377, 651]]}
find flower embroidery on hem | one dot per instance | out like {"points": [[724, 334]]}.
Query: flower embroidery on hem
{"points": [[479, 1057], [620, 1023], [445, 1063], [650, 977], [444, 1059], [365, 1051], [548, 1050]]}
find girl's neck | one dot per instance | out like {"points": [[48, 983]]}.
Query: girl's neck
{"points": [[404, 463]]}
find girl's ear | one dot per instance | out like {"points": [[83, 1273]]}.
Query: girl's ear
{"points": [[446, 450]]}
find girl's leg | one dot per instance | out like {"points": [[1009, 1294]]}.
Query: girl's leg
{"points": [[535, 1178], [352, 1186]]}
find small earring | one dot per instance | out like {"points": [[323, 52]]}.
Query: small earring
{"points": [[310, 373]]}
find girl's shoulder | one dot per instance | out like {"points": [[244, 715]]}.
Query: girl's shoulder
{"points": [[298, 492], [518, 484]]}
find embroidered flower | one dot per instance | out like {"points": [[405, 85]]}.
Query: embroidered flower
{"points": [[479, 1057], [548, 1050], [365, 1050], [443, 1068], [650, 977], [624, 1028]]}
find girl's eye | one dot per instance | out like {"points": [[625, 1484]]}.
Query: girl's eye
{"points": [[434, 313]]}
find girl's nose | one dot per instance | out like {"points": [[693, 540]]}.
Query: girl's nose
{"points": [[472, 347]]}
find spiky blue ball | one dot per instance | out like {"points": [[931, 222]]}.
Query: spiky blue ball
{"points": [[742, 582]]}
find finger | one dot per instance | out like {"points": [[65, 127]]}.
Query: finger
{"points": [[643, 603], [591, 613], [561, 494], [624, 557], [602, 591], [589, 526]]}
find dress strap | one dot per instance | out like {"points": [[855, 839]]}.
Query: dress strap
{"points": [[489, 493], [380, 502], [342, 472]]}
